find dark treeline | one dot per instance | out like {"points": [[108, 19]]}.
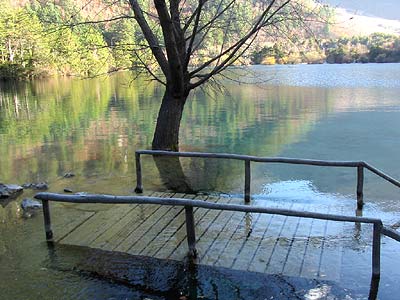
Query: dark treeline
{"points": [[43, 38]]}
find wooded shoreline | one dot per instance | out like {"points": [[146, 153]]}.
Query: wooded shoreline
{"points": [[39, 40]]}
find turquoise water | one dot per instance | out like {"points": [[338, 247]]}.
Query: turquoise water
{"points": [[92, 127]]}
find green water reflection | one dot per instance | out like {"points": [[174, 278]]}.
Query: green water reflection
{"points": [[92, 128]]}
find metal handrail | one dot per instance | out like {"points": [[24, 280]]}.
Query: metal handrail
{"points": [[189, 204], [360, 165]]}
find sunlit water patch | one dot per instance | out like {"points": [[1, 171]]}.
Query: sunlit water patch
{"points": [[307, 196], [300, 191]]}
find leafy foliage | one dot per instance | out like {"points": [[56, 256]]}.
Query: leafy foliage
{"points": [[44, 38], [34, 42], [376, 48], [23, 50]]}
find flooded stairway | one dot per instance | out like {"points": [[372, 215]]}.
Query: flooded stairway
{"points": [[264, 243], [295, 237]]}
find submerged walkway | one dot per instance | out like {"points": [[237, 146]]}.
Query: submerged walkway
{"points": [[254, 242]]}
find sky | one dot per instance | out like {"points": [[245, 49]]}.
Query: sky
{"points": [[388, 9]]}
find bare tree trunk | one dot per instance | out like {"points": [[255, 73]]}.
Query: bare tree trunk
{"points": [[166, 135], [10, 52]]}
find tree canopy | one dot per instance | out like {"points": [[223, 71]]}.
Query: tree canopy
{"points": [[177, 32]]}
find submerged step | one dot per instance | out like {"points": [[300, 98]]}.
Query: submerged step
{"points": [[251, 242]]}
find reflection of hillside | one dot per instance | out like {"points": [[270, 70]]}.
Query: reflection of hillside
{"points": [[251, 120], [94, 126], [48, 123], [84, 125]]}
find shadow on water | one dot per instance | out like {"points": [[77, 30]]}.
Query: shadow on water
{"points": [[199, 175], [153, 278], [172, 175]]}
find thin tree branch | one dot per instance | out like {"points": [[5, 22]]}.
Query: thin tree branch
{"points": [[174, 61], [236, 46], [63, 24], [177, 30], [144, 65], [194, 32], [150, 38], [212, 20]]}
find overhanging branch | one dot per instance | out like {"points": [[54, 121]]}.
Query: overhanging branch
{"points": [[171, 44], [235, 48], [150, 37]]}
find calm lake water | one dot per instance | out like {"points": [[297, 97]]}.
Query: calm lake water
{"points": [[92, 128]]}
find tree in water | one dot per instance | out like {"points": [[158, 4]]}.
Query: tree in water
{"points": [[192, 41], [184, 44]]}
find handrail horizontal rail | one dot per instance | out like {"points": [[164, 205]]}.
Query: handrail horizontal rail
{"points": [[360, 165], [382, 174], [111, 199], [189, 204], [297, 161], [391, 233]]}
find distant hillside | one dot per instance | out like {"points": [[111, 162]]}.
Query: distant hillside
{"points": [[386, 9], [350, 24]]}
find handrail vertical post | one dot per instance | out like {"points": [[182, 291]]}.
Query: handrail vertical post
{"points": [[376, 250], [139, 185], [360, 186], [190, 231], [247, 179], [47, 220]]}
